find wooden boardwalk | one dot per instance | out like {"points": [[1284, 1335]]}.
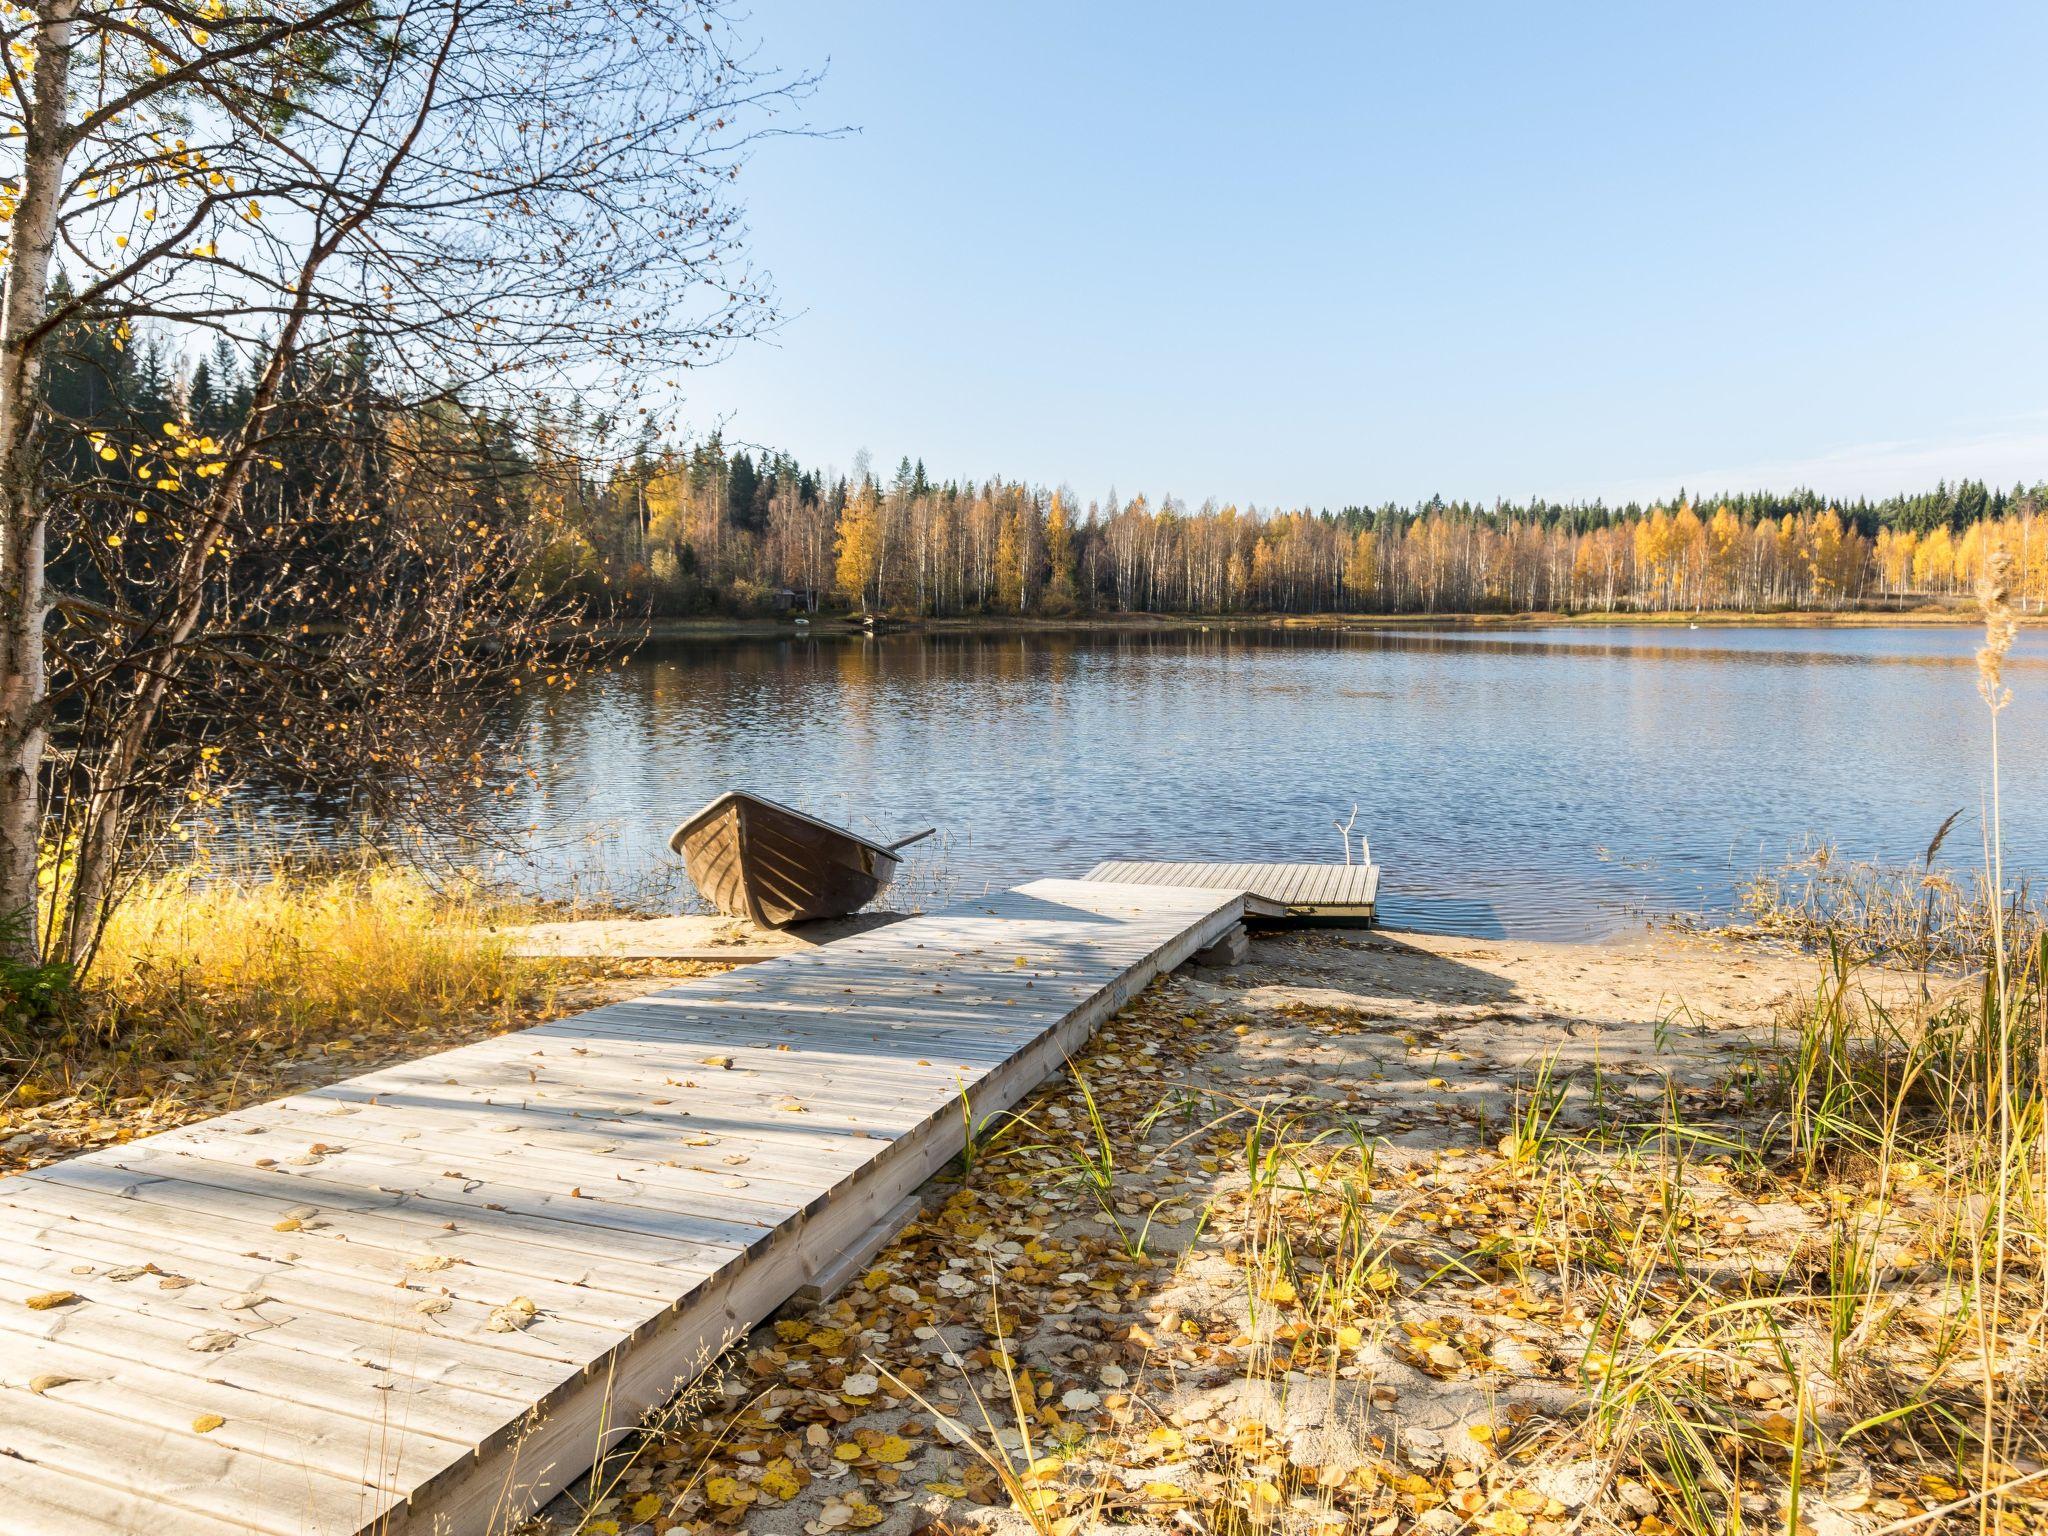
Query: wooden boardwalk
{"points": [[422, 1299], [1343, 892]]}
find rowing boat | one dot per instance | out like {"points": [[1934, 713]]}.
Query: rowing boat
{"points": [[764, 861]]}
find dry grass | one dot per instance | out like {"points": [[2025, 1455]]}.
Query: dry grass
{"points": [[275, 958], [211, 993], [1913, 914]]}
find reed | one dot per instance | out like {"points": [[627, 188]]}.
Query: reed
{"points": [[1920, 913]]}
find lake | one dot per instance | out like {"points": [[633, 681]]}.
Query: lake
{"points": [[1548, 783]]}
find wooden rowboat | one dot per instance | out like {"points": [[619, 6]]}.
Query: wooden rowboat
{"points": [[756, 859]]}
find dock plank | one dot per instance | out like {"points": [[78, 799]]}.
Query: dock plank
{"points": [[580, 1165], [1337, 892]]}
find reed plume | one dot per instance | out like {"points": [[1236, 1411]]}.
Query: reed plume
{"points": [[2001, 627]]}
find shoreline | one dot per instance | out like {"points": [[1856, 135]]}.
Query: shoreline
{"points": [[578, 965], [842, 625]]}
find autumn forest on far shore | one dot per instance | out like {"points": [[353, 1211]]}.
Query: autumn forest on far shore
{"points": [[714, 531]]}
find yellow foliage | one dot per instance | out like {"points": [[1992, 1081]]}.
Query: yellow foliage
{"points": [[728, 1492], [378, 947]]}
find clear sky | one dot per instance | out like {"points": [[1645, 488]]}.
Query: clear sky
{"points": [[1325, 253]]}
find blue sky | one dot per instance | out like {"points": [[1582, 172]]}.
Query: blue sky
{"points": [[1315, 254]]}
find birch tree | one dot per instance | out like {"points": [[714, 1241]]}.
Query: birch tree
{"points": [[488, 202]]}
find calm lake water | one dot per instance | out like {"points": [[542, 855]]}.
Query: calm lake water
{"points": [[1548, 783]]}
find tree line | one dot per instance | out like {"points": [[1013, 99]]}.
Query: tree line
{"points": [[709, 529]]}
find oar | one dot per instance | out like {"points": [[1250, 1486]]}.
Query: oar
{"points": [[915, 837]]}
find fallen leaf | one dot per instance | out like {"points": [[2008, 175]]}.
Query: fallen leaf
{"points": [[728, 1492], [512, 1316], [779, 1479]]}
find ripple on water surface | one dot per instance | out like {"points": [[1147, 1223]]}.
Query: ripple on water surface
{"points": [[1543, 783]]}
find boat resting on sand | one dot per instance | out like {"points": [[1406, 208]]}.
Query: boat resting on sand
{"points": [[761, 860]]}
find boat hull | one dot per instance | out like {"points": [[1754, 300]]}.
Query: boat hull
{"points": [[756, 859]]}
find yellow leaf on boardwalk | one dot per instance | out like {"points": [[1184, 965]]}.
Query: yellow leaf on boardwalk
{"points": [[207, 1423]]}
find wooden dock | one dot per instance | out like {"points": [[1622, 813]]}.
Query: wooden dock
{"points": [[425, 1298], [1323, 893], [687, 936]]}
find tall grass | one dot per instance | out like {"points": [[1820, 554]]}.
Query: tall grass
{"points": [[1959, 1085], [375, 946], [209, 992], [214, 992], [1922, 913]]}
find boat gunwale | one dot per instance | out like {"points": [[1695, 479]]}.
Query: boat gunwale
{"points": [[682, 832]]}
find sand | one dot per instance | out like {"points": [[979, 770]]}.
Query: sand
{"points": [[1091, 1307]]}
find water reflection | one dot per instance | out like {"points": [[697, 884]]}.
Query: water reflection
{"points": [[1551, 783]]}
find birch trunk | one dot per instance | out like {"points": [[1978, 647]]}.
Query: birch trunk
{"points": [[24, 517]]}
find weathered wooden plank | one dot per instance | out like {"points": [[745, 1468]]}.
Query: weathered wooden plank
{"points": [[44, 1501], [209, 1280], [419, 1407], [170, 1202], [49, 1211], [1336, 890], [254, 1423], [182, 1471], [321, 1338]]}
